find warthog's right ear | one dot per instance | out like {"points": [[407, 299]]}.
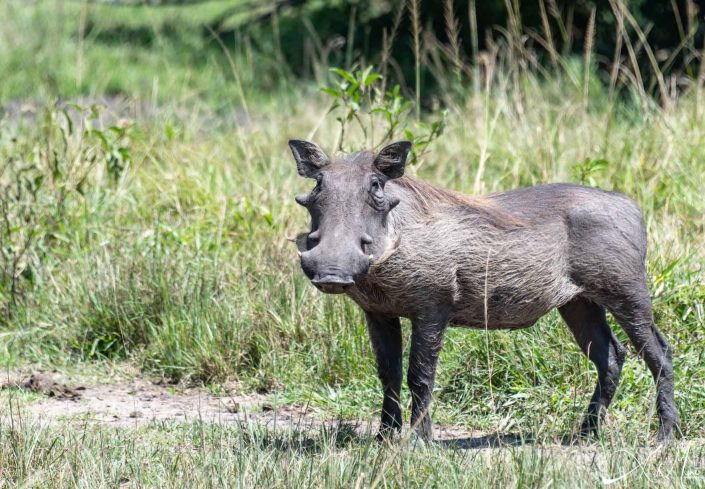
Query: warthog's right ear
{"points": [[309, 157], [391, 159]]}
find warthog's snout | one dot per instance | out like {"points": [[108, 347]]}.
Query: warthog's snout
{"points": [[334, 274]]}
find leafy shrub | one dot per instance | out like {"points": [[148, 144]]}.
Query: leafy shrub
{"points": [[360, 101], [42, 180]]}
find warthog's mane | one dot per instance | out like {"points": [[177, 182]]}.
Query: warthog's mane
{"points": [[428, 197]]}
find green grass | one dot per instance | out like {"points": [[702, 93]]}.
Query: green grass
{"points": [[54, 49], [178, 265], [207, 455]]}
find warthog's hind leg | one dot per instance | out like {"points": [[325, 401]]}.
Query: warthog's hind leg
{"points": [[589, 326], [634, 315], [385, 336]]}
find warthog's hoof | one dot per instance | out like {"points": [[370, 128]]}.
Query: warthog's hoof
{"points": [[589, 429], [388, 431], [667, 433], [386, 435]]}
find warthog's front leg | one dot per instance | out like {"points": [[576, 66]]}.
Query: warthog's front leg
{"points": [[426, 340], [385, 336]]}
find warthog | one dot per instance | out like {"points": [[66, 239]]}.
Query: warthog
{"points": [[400, 247]]}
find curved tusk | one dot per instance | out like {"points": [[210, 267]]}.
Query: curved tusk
{"points": [[299, 253], [371, 257], [391, 248]]}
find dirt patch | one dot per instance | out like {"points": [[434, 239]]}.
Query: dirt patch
{"points": [[137, 402], [47, 385]]}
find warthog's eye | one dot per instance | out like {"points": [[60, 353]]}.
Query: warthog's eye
{"points": [[316, 190], [319, 183], [377, 194]]}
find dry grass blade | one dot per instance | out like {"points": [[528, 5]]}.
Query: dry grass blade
{"points": [[453, 32], [474, 43], [617, 57], [589, 39], [663, 90], [388, 41], [635, 73], [416, 33], [548, 36]]}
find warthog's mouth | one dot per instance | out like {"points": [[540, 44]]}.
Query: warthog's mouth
{"points": [[332, 284]]}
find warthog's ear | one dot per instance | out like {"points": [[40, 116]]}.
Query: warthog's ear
{"points": [[391, 159], [309, 157]]}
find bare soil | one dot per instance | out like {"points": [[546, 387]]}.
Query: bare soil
{"points": [[138, 401]]}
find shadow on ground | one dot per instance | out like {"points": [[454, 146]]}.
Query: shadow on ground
{"points": [[496, 440], [345, 434]]}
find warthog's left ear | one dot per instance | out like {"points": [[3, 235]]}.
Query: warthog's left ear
{"points": [[391, 159], [309, 157]]}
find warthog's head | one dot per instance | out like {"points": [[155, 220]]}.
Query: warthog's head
{"points": [[349, 208]]}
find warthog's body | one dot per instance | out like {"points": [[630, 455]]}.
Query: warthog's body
{"points": [[507, 259], [501, 261]]}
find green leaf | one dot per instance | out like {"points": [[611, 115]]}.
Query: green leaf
{"points": [[371, 79], [381, 110], [100, 135], [346, 75], [332, 92]]}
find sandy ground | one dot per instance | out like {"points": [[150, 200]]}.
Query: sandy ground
{"points": [[138, 401]]}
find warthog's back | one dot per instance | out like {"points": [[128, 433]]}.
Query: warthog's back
{"points": [[505, 260]]}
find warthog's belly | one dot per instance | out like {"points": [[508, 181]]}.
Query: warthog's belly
{"points": [[471, 321], [510, 307], [496, 308]]}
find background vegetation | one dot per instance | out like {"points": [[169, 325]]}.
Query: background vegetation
{"points": [[146, 193]]}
